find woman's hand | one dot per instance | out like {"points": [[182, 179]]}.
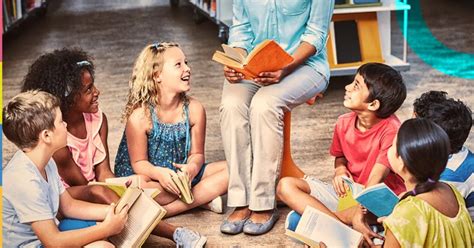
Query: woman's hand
{"points": [[115, 222], [192, 169], [338, 182], [232, 75], [164, 177], [274, 77]]}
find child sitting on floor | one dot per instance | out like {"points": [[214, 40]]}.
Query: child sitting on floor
{"points": [[360, 143], [165, 130], [455, 118], [431, 213], [69, 75], [33, 193]]}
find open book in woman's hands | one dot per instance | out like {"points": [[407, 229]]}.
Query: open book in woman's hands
{"points": [[267, 56]]}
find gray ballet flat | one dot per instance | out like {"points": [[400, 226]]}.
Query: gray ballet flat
{"points": [[261, 228], [233, 227]]}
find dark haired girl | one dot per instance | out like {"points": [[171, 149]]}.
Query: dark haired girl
{"points": [[430, 213]]}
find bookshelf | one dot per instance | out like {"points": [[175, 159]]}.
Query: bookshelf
{"points": [[220, 12], [17, 11]]}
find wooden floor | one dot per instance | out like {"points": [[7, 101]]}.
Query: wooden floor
{"points": [[115, 31]]}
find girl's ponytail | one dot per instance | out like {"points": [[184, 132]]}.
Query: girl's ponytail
{"points": [[420, 188], [424, 148]]}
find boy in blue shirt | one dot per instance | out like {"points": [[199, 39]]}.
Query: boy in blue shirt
{"points": [[456, 119], [33, 193]]}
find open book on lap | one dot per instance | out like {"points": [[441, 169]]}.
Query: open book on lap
{"points": [[378, 199], [143, 216], [315, 227], [267, 56]]}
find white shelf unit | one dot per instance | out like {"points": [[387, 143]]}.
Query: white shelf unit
{"points": [[17, 11], [223, 18]]}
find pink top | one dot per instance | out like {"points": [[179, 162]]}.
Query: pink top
{"points": [[90, 151], [364, 149]]}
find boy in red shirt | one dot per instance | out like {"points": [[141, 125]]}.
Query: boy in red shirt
{"points": [[360, 144]]}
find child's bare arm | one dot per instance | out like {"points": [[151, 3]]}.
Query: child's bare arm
{"points": [[49, 235], [72, 208], [197, 117], [136, 130], [102, 170], [68, 169], [340, 165], [378, 174]]}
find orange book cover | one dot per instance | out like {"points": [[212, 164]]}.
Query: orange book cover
{"points": [[266, 56]]}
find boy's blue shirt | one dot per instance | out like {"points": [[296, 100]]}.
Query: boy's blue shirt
{"points": [[28, 197], [288, 22]]}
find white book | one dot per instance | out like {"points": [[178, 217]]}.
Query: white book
{"points": [[315, 227]]}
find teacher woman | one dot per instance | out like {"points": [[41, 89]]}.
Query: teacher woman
{"points": [[251, 113]]}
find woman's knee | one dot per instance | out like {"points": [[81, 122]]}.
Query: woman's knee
{"points": [[263, 106], [233, 104]]}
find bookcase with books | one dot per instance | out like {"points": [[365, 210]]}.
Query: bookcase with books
{"points": [[360, 31], [16, 11]]}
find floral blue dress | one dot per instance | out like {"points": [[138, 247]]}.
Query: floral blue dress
{"points": [[167, 144]]}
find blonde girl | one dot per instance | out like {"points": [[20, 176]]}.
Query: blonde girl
{"points": [[165, 130]]}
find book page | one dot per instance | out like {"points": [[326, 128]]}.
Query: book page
{"points": [[321, 227], [142, 214], [118, 188], [378, 199], [134, 181], [233, 53], [181, 180], [356, 188], [128, 198]]}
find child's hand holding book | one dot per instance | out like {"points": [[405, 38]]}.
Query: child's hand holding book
{"points": [[183, 182], [115, 219], [338, 182], [191, 169], [166, 180]]}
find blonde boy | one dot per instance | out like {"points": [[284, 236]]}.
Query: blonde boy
{"points": [[33, 193]]}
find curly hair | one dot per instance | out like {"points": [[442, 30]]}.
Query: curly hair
{"points": [[144, 90], [59, 73], [450, 114]]}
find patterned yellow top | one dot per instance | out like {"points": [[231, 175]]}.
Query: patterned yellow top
{"points": [[415, 223]]}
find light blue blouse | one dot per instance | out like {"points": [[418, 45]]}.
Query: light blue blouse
{"points": [[289, 22]]}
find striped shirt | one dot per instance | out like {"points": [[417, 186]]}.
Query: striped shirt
{"points": [[459, 172]]}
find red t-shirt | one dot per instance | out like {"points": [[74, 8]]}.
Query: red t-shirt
{"points": [[364, 149]]}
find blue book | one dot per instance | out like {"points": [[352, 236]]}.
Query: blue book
{"points": [[378, 199]]}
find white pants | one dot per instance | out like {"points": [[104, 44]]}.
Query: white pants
{"points": [[251, 120]]}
